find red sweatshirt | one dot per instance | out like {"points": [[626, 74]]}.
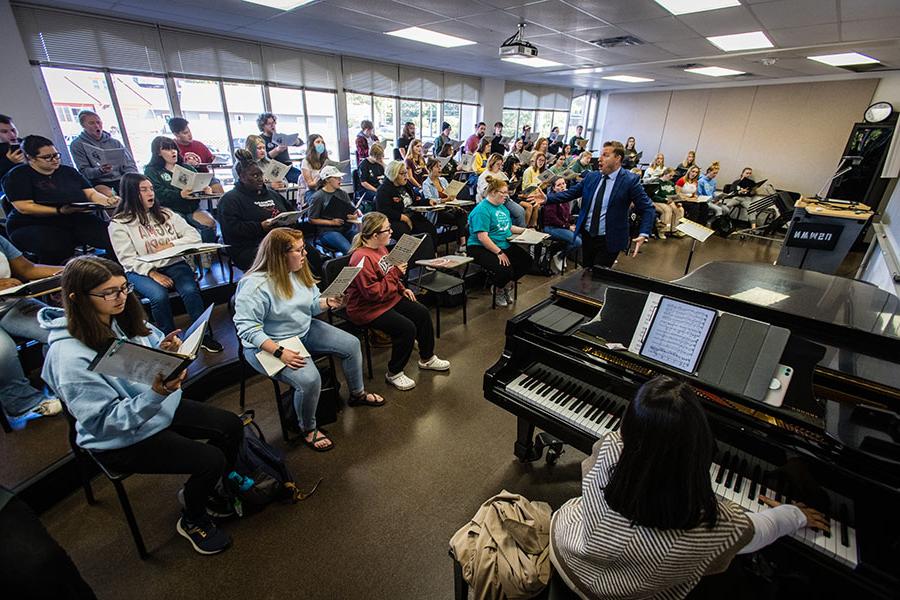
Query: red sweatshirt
{"points": [[376, 289]]}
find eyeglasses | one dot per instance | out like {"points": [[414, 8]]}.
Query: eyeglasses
{"points": [[381, 231], [301, 251], [111, 295], [48, 157]]}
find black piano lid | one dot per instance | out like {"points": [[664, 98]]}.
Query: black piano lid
{"points": [[857, 322]]}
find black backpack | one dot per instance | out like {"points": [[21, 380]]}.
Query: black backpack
{"points": [[264, 465]]}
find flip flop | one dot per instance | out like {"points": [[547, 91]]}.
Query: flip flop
{"points": [[366, 399], [318, 438]]}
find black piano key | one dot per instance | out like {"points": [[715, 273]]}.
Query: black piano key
{"points": [[723, 465], [755, 483], [740, 476], [732, 467], [845, 533], [538, 379]]}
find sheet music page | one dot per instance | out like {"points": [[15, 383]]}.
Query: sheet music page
{"points": [[286, 218], [285, 139], [529, 236], [403, 251], [454, 188], [190, 346], [342, 281], [644, 324], [137, 363], [693, 229], [275, 171], [760, 296], [181, 250], [678, 334], [273, 365]]}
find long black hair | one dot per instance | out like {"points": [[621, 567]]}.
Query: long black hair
{"points": [[662, 477], [162, 142], [131, 206]]}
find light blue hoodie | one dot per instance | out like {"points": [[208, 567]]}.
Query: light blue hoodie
{"points": [[260, 314], [110, 412]]}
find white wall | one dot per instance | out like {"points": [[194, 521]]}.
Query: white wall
{"points": [[492, 91], [23, 95], [792, 134]]}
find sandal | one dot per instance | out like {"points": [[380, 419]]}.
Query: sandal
{"points": [[366, 399], [318, 438]]}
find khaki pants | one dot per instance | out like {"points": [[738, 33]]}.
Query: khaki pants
{"points": [[669, 214]]}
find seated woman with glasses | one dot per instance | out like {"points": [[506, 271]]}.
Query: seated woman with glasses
{"points": [[164, 157], [395, 199], [277, 300], [378, 298], [45, 220], [131, 426], [140, 227]]}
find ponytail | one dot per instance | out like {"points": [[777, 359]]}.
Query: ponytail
{"points": [[371, 223]]}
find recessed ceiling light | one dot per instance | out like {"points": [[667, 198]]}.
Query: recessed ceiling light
{"points": [[714, 71], [741, 41], [532, 62], [426, 36], [628, 78], [280, 4], [587, 70], [683, 7], [845, 59]]}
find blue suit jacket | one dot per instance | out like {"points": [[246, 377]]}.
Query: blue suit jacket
{"points": [[626, 191]]}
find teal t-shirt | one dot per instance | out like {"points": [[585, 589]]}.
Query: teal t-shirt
{"points": [[493, 219]]}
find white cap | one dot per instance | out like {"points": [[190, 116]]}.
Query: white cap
{"points": [[329, 171]]}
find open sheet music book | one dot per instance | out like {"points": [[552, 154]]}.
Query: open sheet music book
{"points": [[693, 229], [455, 144], [135, 362], [181, 250], [184, 179], [404, 249], [547, 176], [529, 237], [115, 157], [525, 157], [341, 166], [343, 280], [275, 171], [582, 143], [286, 139], [32, 288], [465, 162], [532, 137], [443, 160], [273, 365], [287, 219], [454, 188]]}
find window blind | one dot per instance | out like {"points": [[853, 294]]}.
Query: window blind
{"points": [[462, 88], [366, 77], [529, 96], [421, 83], [206, 56], [63, 38], [292, 67]]}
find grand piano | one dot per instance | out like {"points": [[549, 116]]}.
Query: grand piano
{"points": [[828, 435]]}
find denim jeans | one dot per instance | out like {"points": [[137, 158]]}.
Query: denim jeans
{"points": [[516, 212], [16, 393], [338, 240], [160, 307], [321, 338], [566, 235]]}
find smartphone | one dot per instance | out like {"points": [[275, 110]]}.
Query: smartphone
{"points": [[779, 385], [15, 146]]}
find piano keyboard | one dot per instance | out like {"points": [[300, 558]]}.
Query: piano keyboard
{"points": [[737, 477]]}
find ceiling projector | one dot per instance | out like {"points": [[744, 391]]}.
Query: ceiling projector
{"points": [[516, 46]]}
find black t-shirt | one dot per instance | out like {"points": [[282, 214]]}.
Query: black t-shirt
{"points": [[330, 205], [401, 143], [63, 187], [496, 146], [371, 173], [283, 156]]}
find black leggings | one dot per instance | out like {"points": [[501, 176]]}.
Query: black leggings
{"points": [[175, 450], [55, 242], [519, 263], [455, 217], [32, 564], [406, 322]]}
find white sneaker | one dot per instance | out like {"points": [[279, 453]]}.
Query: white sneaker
{"points": [[508, 291], [500, 297], [435, 364], [557, 263], [400, 381]]}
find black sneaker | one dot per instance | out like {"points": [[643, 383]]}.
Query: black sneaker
{"points": [[203, 535], [210, 344]]}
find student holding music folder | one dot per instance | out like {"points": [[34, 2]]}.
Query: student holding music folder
{"points": [[490, 227], [276, 301], [378, 298], [141, 227], [194, 152], [163, 158], [371, 173], [331, 209], [134, 427], [256, 146], [395, 199], [434, 188], [89, 151], [648, 524], [46, 219], [18, 317]]}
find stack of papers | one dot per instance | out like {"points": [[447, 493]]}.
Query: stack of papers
{"points": [[695, 230], [445, 262]]}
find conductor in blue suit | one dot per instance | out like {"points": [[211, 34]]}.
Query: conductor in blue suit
{"points": [[606, 197]]}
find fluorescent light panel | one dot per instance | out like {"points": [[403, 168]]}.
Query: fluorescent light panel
{"points": [[426, 36], [741, 41], [684, 7], [628, 78], [714, 71], [531, 62], [280, 4], [844, 59], [587, 70]]}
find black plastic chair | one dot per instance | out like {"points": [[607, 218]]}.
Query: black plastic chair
{"points": [[330, 269], [117, 479], [441, 284]]}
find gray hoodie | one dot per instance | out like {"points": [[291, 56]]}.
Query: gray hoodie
{"points": [[90, 166]]}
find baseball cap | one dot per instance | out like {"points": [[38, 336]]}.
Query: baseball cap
{"points": [[329, 171]]}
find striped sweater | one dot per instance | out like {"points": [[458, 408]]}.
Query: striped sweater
{"points": [[600, 554]]}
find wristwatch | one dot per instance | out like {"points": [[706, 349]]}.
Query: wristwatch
{"points": [[278, 352], [500, 252]]}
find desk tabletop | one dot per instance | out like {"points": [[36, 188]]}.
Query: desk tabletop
{"points": [[822, 208]]}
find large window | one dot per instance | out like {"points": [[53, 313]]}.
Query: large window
{"points": [[385, 123], [145, 109], [201, 105], [548, 119], [411, 111], [244, 102], [452, 116], [72, 91], [469, 118], [287, 104], [321, 110], [511, 122], [576, 115], [359, 108], [431, 122]]}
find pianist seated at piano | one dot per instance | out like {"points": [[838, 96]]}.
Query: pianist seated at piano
{"points": [[490, 227], [648, 523]]}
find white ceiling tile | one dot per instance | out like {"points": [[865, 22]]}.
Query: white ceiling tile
{"points": [[870, 29], [805, 36], [504, 23], [556, 15], [647, 52], [795, 13], [451, 9], [695, 47], [859, 10], [725, 21], [560, 41], [597, 33], [387, 9], [659, 30], [621, 12]]}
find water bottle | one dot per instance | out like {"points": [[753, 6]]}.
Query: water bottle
{"points": [[243, 483]]}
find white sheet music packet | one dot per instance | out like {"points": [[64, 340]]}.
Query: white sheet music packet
{"points": [[343, 280], [185, 179], [404, 249], [286, 139]]}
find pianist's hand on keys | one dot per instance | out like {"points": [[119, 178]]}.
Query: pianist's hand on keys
{"points": [[814, 518]]}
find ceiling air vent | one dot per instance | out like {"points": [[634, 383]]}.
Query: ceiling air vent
{"points": [[685, 66], [616, 42]]}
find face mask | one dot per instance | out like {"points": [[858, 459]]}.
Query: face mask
{"points": [[320, 148]]}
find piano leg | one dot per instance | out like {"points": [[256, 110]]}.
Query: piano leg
{"points": [[529, 448]]}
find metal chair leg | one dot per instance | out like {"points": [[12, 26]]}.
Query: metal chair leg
{"points": [[129, 516], [85, 478], [282, 417], [368, 353], [4, 422], [437, 316]]}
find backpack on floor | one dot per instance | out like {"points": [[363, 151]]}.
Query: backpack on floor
{"points": [[723, 225], [261, 475]]}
